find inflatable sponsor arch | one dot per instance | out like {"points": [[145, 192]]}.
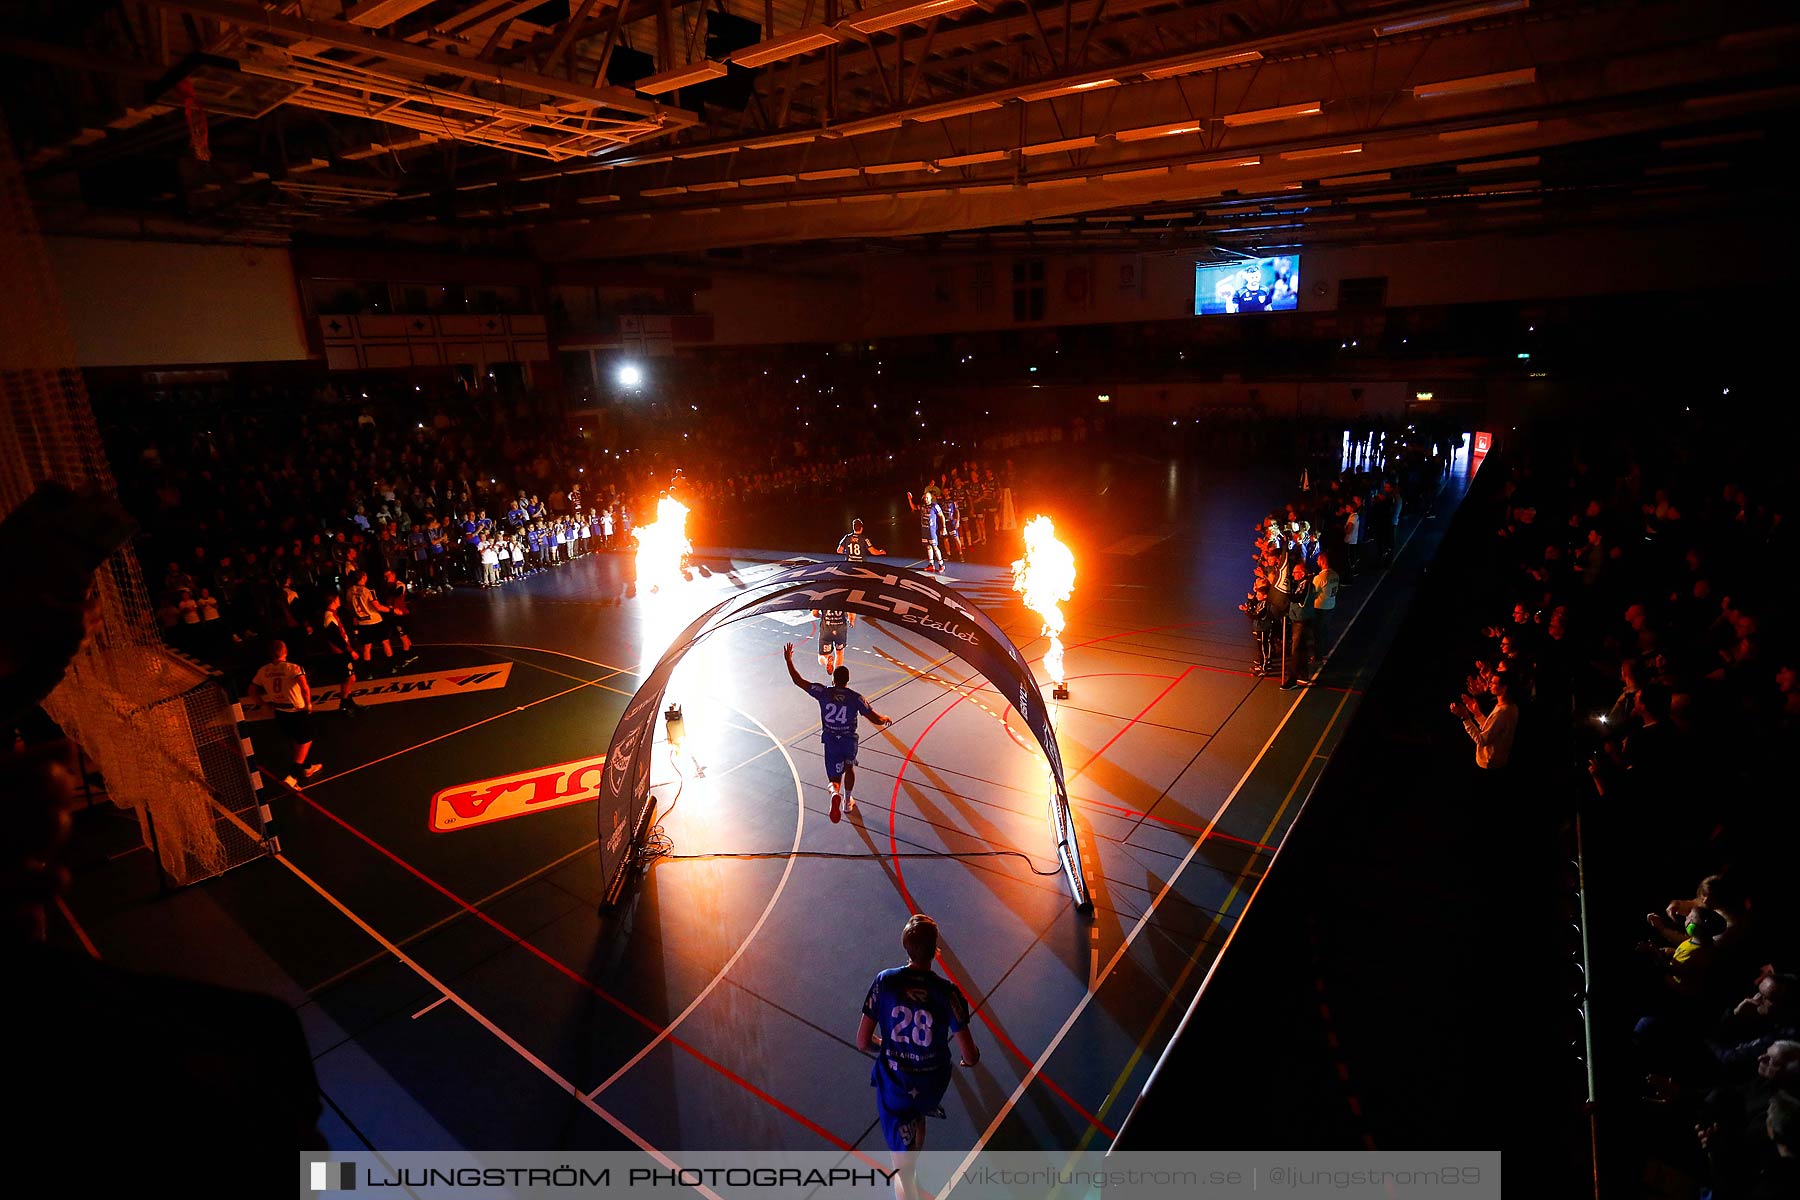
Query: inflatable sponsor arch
{"points": [[892, 594]]}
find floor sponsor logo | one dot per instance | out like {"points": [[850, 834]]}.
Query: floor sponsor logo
{"points": [[400, 687], [520, 794]]}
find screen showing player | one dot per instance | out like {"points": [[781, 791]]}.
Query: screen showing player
{"points": [[1249, 285]]}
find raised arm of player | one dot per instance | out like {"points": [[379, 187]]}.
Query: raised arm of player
{"points": [[787, 653]]}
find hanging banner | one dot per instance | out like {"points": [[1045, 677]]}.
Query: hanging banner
{"points": [[892, 594]]}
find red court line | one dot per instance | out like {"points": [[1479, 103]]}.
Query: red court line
{"points": [[1095, 756], [906, 894], [1006, 720], [560, 967]]}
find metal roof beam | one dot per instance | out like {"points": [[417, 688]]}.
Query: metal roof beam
{"points": [[349, 37]]}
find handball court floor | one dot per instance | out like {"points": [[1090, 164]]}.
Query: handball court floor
{"points": [[460, 989]]}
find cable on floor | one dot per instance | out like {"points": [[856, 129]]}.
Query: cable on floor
{"points": [[659, 845]]}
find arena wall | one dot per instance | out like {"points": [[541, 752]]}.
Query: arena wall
{"points": [[136, 303]]}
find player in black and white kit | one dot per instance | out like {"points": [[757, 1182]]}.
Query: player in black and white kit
{"points": [[855, 546], [283, 687]]}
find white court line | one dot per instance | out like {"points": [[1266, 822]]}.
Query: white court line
{"points": [[781, 885], [599, 683], [429, 1007], [719, 976], [1094, 989], [543, 1067]]}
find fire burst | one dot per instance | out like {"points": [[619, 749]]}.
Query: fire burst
{"points": [[1045, 577], [662, 544]]}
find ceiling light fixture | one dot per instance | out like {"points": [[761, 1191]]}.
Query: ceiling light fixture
{"points": [[1476, 83], [868, 125], [970, 160], [1145, 173], [1074, 143], [787, 139], [1473, 12], [1218, 164], [943, 112], [680, 77], [1068, 89], [1488, 131], [790, 45], [1711, 139], [1756, 96], [1287, 112], [1324, 151], [901, 12], [1497, 164], [1146, 132], [1214, 62]]}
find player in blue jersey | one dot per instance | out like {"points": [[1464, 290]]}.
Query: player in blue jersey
{"points": [[952, 538], [855, 546], [908, 1019], [834, 635], [838, 709], [931, 529]]}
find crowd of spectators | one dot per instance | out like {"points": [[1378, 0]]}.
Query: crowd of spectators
{"points": [[1636, 648], [1342, 522], [274, 499]]}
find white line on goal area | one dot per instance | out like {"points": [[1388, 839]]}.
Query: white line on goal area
{"points": [[479, 1018]]}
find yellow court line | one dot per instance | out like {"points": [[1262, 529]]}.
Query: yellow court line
{"points": [[475, 1014], [1187, 970], [1212, 928]]}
